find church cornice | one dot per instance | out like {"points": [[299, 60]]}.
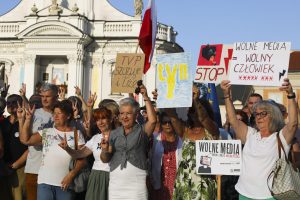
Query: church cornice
{"points": [[47, 28]]}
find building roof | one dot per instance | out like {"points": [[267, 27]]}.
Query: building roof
{"points": [[91, 9]]}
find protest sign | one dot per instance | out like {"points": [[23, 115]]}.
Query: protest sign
{"points": [[213, 63], [218, 157], [259, 63], [129, 69], [174, 80]]}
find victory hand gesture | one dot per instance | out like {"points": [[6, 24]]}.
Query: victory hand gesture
{"points": [[63, 143], [91, 100]]}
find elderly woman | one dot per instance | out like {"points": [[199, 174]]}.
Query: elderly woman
{"points": [[54, 178], [166, 151], [127, 151], [99, 178], [260, 151]]}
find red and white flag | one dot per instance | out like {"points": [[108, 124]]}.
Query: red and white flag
{"points": [[148, 31]]}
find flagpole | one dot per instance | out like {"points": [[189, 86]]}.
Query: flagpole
{"points": [[137, 47]]}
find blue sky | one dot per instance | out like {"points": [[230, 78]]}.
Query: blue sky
{"points": [[220, 21]]}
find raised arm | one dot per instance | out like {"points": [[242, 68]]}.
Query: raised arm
{"points": [[22, 92], [290, 128], [88, 117], [79, 95], [150, 124], [26, 135], [239, 127]]}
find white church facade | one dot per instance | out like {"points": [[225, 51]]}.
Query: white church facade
{"points": [[72, 42]]}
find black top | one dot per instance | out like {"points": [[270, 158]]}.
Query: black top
{"points": [[13, 148]]}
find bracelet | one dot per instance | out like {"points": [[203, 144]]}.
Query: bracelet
{"points": [[147, 99], [225, 97], [292, 96]]}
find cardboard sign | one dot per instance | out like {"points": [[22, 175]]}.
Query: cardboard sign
{"points": [[259, 63], [218, 157], [129, 69], [213, 63], [174, 80]]}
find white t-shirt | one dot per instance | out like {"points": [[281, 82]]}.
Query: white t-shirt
{"points": [[94, 145], [258, 158], [55, 161], [41, 120]]}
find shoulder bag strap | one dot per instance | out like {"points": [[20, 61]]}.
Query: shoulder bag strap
{"points": [[280, 146], [76, 139]]}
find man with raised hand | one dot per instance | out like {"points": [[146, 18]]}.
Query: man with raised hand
{"points": [[42, 118]]}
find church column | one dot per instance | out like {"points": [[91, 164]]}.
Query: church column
{"points": [[29, 73], [75, 72]]}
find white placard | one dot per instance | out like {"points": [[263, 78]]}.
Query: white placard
{"points": [[259, 63], [218, 157]]}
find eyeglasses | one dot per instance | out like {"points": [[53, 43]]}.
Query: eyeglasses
{"points": [[261, 114], [166, 122]]}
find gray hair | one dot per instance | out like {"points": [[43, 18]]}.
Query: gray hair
{"points": [[48, 86], [276, 118], [131, 102]]}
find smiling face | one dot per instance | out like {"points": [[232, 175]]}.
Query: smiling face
{"points": [[127, 116], [103, 124]]}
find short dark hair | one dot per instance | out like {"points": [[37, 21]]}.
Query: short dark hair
{"points": [[66, 107], [256, 95], [36, 100], [243, 115], [15, 98]]}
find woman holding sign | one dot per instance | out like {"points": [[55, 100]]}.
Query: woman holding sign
{"points": [[200, 126], [261, 150]]}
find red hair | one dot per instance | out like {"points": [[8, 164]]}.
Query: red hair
{"points": [[101, 113]]}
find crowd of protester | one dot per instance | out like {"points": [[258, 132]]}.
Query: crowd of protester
{"points": [[134, 152]]}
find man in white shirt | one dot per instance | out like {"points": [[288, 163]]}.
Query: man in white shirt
{"points": [[42, 119]]}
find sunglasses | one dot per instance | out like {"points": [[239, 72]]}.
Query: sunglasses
{"points": [[260, 114], [164, 122]]}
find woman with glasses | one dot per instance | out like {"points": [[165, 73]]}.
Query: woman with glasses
{"points": [[127, 151], [261, 150], [166, 151]]}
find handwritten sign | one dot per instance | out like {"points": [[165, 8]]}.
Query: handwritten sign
{"points": [[174, 80], [213, 63], [129, 69], [218, 157], [259, 63]]}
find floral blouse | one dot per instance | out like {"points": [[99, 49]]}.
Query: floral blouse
{"points": [[188, 184]]}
